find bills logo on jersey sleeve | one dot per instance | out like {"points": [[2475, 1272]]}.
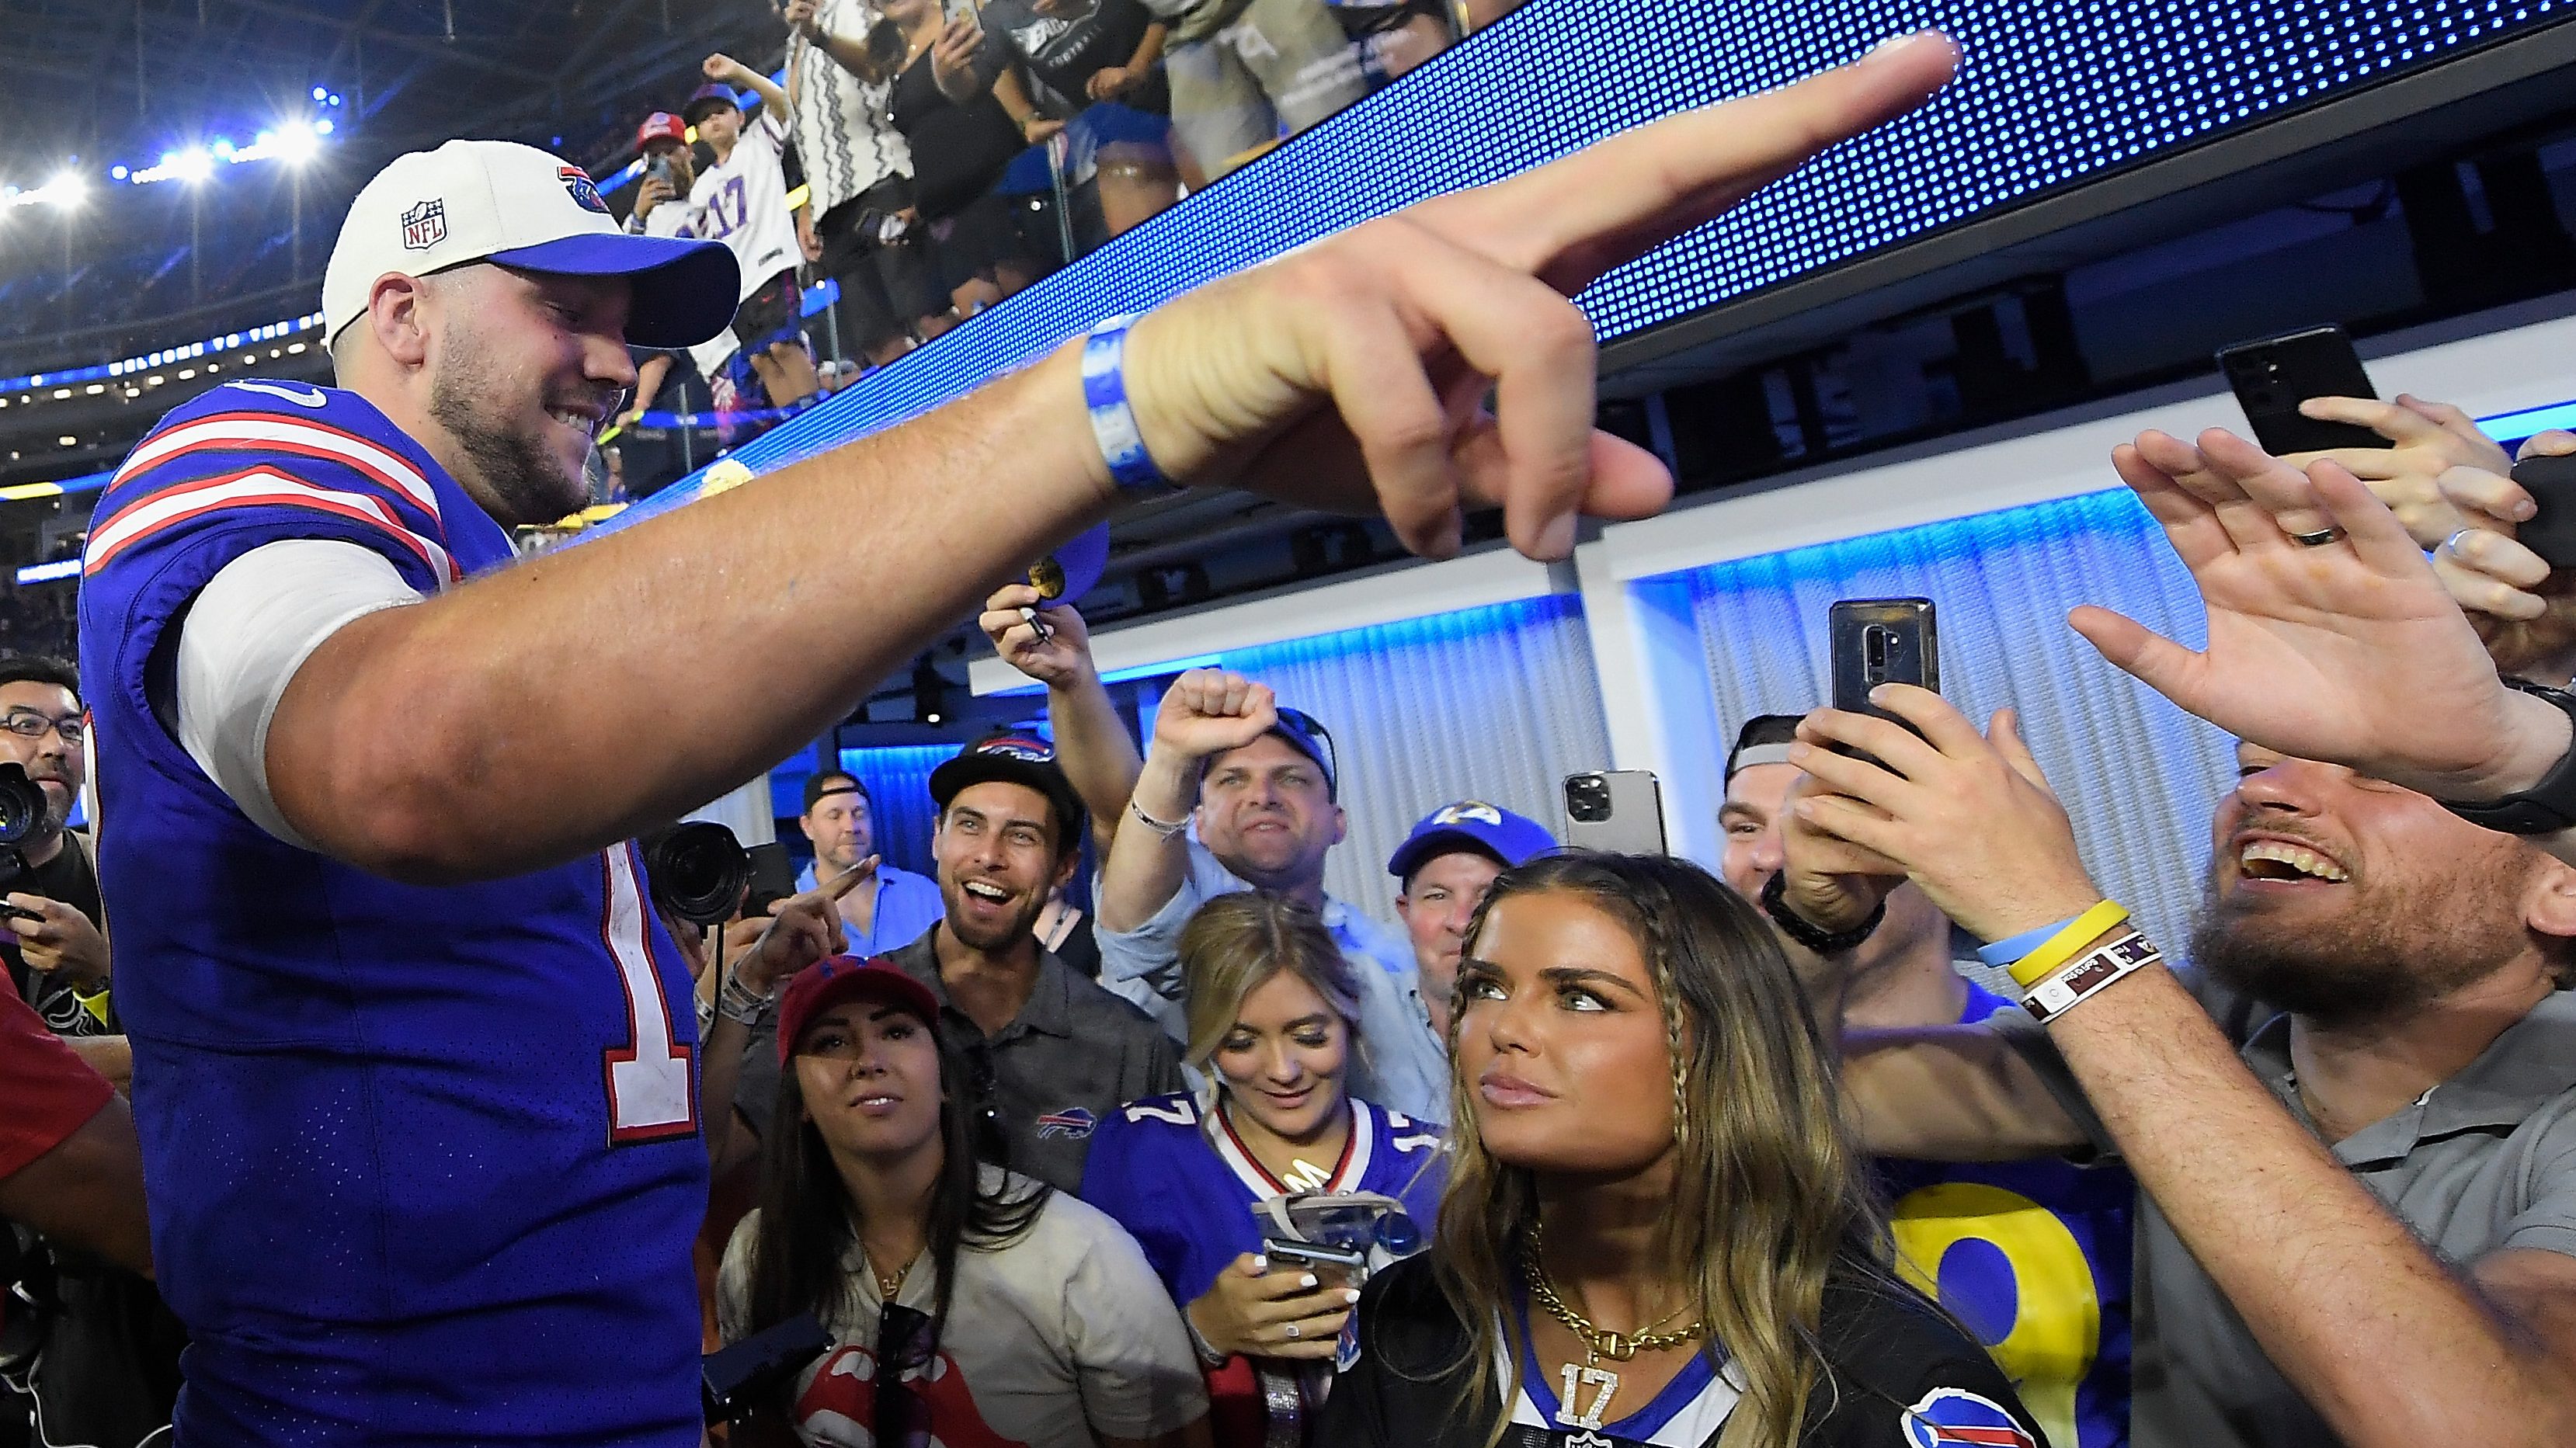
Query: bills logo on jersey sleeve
{"points": [[1955, 1416], [576, 182]]}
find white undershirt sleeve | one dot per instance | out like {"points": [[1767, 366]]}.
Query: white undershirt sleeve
{"points": [[253, 625]]}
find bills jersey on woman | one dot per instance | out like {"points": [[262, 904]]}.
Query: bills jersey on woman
{"points": [[2034, 1257], [1173, 1172], [422, 1162]]}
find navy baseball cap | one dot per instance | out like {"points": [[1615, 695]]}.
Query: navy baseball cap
{"points": [[823, 782], [1764, 739], [1314, 741], [499, 201], [706, 98], [1471, 824], [1022, 759]]}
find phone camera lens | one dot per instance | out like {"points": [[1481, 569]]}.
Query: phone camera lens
{"points": [[1587, 798]]}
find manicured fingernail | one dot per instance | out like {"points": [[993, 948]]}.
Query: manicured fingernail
{"points": [[1350, 1294], [1556, 540], [1260, 1264], [1310, 1280], [2521, 512], [1799, 749]]}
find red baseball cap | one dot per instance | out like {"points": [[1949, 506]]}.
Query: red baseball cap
{"points": [[661, 126], [829, 982]]}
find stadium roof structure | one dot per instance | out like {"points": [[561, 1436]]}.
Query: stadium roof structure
{"points": [[125, 83]]}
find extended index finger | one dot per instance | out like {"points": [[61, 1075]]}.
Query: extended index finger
{"points": [[839, 885], [1573, 219]]}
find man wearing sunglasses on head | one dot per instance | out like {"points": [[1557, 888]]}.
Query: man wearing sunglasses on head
{"points": [[1260, 783]]}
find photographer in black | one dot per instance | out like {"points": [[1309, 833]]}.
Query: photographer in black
{"points": [[104, 1368], [57, 957]]}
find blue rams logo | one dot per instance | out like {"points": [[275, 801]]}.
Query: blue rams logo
{"points": [[1469, 809], [576, 181], [1074, 1123], [1955, 1416]]}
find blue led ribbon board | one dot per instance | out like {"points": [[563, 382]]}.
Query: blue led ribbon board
{"points": [[2050, 95]]}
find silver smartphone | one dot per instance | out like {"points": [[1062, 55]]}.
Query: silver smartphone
{"points": [[1616, 810]]}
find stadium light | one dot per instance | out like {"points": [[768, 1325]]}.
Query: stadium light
{"points": [[322, 127], [321, 94], [294, 143]]}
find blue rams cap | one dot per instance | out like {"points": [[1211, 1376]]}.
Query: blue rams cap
{"points": [[1475, 825], [707, 98]]}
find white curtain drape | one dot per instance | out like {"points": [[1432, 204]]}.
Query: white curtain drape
{"points": [[2138, 776], [1495, 703]]}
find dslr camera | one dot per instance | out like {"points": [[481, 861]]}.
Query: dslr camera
{"points": [[699, 872], [22, 815]]}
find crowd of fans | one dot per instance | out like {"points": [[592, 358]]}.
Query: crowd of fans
{"points": [[954, 153], [1594, 1150]]}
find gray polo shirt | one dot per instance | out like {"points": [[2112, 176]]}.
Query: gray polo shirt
{"points": [[1073, 1055], [2484, 1162]]}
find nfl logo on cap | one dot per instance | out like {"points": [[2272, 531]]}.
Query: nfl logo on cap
{"points": [[424, 226]]}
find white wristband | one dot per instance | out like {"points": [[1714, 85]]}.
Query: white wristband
{"points": [[1164, 828], [2089, 974]]}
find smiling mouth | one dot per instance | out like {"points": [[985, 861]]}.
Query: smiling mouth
{"points": [[2280, 860], [984, 891], [580, 420]]}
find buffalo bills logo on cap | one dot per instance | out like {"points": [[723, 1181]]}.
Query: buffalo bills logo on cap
{"points": [[1074, 1123], [584, 195], [1469, 809], [1011, 747], [424, 226], [1955, 1416]]}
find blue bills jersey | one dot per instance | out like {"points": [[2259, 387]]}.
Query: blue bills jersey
{"points": [[1171, 1170], [2033, 1257], [422, 1162]]}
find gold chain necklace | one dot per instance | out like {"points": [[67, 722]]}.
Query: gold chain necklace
{"points": [[1599, 1343]]}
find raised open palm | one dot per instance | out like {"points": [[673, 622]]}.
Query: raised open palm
{"points": [[2349, 651]]}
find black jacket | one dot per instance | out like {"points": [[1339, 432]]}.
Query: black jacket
{"points": [[1893, 1356]]}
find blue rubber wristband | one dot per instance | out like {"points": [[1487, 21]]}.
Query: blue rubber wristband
{"points": [[2005, 952], [1113, 422]]}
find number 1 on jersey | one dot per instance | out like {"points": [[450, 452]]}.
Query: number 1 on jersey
{"points": [[652, 1086]]}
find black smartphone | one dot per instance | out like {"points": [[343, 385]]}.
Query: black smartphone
{"points": [[2551, 533], [739, 1377], [773, 877], [1332, 1266], [1878, 641], [2272, 376]]}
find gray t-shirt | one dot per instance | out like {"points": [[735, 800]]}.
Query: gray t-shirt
{"points": [[2482, 1163]]}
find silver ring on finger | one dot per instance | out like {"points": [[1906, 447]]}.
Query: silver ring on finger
{"points": [[1292, 1332], [2317, 539], [2452, 543]]}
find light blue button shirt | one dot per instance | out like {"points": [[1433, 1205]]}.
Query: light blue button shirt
{"points": [[1402, 1064], [907, 906]]}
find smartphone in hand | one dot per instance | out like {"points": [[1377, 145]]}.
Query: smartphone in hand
{"points": [[1620, 811], [2551, 532], [1878, 641], [2273, 375]]}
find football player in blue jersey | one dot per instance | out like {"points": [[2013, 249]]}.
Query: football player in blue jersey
{"points": [[1273, 1020], [416, 1078], [2033, 1256]]}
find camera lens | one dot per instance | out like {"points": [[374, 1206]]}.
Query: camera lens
{"points": [[697, 871], [22, 805], [1587, 798]]}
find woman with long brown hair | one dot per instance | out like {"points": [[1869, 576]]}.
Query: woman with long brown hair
{"points": [[1657, 1228]]}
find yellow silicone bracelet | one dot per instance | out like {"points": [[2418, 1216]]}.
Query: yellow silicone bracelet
{"points": [[2060, 948]]}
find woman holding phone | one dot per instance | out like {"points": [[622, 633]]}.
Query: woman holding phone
{"points": [[1657, 1229], [964, 1303], [1272, 1019]]}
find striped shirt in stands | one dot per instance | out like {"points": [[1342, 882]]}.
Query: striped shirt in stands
{"points": [[844, 133]]}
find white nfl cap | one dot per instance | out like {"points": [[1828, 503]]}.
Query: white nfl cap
{"points": [[503, 202]]}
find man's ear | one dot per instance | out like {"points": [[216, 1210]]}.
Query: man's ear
{"points": [[2549, 905], [1341, 824], [1065, 867], [397, 308]]}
